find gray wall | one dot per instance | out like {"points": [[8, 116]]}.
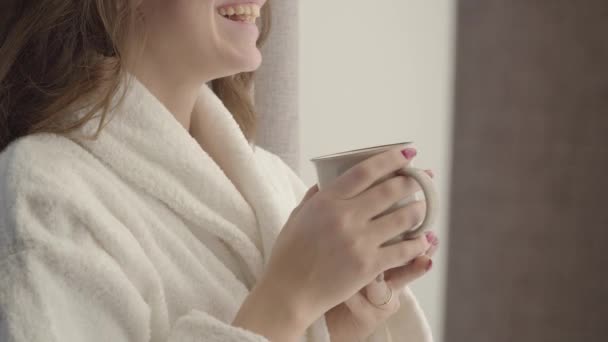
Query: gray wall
{"points": [[529, 218]]}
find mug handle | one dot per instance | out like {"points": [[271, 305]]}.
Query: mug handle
{"points": [[431, 198]]}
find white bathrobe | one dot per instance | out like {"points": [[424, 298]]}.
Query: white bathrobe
{"points": [[144, 234]]}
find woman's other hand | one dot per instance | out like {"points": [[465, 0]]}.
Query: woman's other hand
{"points": [[357, 318]]}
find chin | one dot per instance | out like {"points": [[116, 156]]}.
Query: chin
{"points": [[234, 62], [247, 63], [252, 60]]}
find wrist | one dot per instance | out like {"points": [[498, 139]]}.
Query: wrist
{"points": [[287, 304], [273, 312], [334, 333], [336, 330]]}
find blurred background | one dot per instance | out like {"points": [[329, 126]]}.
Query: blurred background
{"points": [[507, 101], [379, 73]]}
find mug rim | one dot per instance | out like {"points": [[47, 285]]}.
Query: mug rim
{"points": [[349, 152]]}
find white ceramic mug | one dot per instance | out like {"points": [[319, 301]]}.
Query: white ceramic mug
{"points": [[331, 166]]}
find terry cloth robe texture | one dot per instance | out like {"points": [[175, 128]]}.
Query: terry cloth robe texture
{"points": [[146, 234]]}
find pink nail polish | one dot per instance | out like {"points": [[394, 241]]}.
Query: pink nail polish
{"points": [[429, 265], [430, 237], [435, 241], [409, 153]]}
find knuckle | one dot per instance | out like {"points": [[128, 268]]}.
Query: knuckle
{"points": [[384, 162], [338, 221], [388, 190], [346, 238], [363, 172], [341, 219]]}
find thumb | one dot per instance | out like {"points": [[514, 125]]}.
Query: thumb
{"points": [[311, 192], [401, 276]]}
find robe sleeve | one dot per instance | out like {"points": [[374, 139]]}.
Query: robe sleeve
{"points": [[58, 284], [45, 298], [408, 323]]}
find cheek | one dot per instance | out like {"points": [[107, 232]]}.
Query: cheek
{"points": [[238, 39], [191, 31], [201, 31], [198, 23], [229, 45], [180, 26]]}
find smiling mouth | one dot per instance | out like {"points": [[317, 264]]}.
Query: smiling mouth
{"points": [[243, 13]]}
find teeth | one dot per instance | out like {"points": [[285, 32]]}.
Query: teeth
{"points": [[245, 18], [252, 10]]}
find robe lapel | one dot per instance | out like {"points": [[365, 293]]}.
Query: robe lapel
{"points": [[225, 142], [219, 188]]}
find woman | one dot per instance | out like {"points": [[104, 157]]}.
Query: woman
{"points": [[134, 205]]}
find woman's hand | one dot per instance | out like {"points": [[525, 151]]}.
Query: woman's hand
{"points": [[357, 318], [330, 247]]}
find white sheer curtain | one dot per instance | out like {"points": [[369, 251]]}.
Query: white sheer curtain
{"points": [[276, 85]]}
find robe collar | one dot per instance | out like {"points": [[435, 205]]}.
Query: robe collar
{"points": [[216, 185]]}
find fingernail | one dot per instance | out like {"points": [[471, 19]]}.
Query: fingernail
{"points": [[380, 277], [429, 265], [430, 173], [409, 153], [435, 241], [430, 237]]}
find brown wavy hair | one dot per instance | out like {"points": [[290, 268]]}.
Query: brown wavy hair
{"points": [[54, 53]]}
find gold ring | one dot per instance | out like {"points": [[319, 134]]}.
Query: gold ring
{"points": [[390, 297]]}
